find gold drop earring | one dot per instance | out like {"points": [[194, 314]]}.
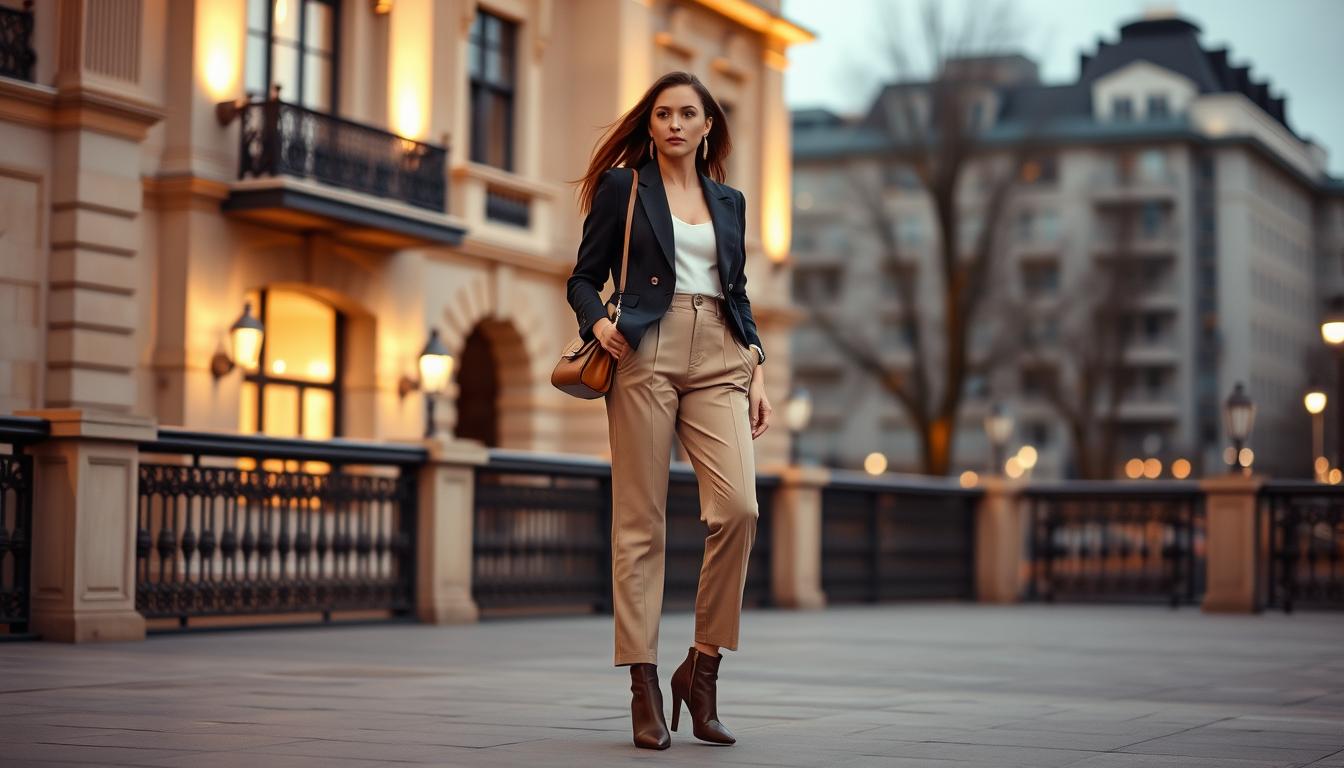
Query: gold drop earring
{"points": [[705, 153], [653, 151]]}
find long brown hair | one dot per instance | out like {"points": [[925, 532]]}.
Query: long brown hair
{"points": [[625, 142]]}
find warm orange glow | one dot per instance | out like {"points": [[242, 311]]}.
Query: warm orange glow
{"points": [[1335, 476], [219, 47], [1322, 465], [1013, 468], [875, 464], [1152, 469], [411, 53], [1246, 458], [1134, 469], [969, 479], [776, 211], [1027, 456], [1180, 469]]}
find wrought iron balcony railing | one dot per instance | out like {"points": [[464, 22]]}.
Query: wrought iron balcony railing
{"points": [[281, 139], [16, 44]]}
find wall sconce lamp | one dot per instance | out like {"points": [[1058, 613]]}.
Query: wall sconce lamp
{"points": [[245, 341], [382, 7], [436, 370]]}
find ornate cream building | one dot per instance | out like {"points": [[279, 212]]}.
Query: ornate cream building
{"points": [[361, 173]]}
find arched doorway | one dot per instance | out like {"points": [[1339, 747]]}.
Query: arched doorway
{"points": [[478, 390]]}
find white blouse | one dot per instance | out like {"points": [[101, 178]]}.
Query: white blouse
{"points": [[698, 262], [697, 258]]}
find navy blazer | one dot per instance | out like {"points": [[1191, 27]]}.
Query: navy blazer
{"points": [[648, 291]]}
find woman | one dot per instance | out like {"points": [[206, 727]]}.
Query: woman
{"points": [[689, 361]]}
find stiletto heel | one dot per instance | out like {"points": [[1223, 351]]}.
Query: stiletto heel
{"points": [[695, 682]]}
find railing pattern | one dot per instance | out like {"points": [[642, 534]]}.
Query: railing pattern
{"points": [[1104, 541], [543, 534], [884, 539], [285, 139], [1304, 525], [332, 531], [16, 522], [16, 44]]}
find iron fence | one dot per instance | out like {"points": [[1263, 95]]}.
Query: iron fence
{"points": [[1304, 526], [1116, 541], [255, 525], [897, 538], [16, 522]]}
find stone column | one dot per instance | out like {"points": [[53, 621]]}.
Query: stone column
{"points": [[999, 556], [1233, 558], [444, 531], [84, 522], [795, 546]]}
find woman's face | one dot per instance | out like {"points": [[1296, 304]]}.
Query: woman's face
{"points": [[678, 122]]}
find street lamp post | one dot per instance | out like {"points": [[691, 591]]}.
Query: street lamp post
{"points": [[998, 428], [1238, 418], [1315, 401], [797, 412], [436, 370]]}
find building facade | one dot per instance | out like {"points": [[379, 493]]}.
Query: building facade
{"points": [[1234, 243], [359, 173]]}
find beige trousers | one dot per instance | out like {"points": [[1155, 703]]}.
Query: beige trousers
{"points": [[690, 377]]}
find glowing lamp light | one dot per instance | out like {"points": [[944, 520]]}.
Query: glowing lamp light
{"points": [[969, 479], [1134, 469], [245, 338], [1027, 456], [1152, 469], [436, 366], [1332, 324], [1315, 402], [875, 463], [1013, 468], [1180, 469]]}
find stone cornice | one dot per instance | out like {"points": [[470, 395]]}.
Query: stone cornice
{"points": [[81, 108]]}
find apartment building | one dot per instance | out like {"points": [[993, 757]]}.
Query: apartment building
{"points": [[359, 175], [1233, 239]]}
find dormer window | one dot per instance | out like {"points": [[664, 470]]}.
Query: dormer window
{"points": [[1157, 107], [1122, 108]]}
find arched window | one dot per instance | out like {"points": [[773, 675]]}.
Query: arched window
{"points": [[297, 390]]}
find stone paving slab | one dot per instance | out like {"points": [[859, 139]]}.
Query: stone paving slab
{"points": [[944, 685]]}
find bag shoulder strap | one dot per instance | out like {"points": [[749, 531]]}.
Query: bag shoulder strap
{"points": [[625, 247]]}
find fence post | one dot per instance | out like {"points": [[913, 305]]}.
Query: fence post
{"points": [[999, 542], [795, 554], [85, 496], [444, 531], [1232, 556]]}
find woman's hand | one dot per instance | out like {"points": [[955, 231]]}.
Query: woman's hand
{"points": [[611, 339], [759, 404]]}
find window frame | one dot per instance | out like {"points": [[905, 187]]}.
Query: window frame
{"points": [[268, 69], [260, 378], [478, 86]]}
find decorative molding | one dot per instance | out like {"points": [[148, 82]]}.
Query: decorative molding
{"points": [[112, 38], [78, 108], [762, 20]]}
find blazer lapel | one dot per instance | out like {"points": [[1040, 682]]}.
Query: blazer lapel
{"points": [[653, 198], [720, 203]]}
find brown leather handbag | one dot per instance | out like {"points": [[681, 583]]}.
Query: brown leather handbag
{"points": [[586, 368]]}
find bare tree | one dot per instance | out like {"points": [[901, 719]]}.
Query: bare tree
{"points": [[935, 129], [1087, 374]]}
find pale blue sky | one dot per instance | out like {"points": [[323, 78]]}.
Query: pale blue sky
{"points": [[1297, 45]]}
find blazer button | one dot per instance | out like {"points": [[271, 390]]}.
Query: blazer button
{"points": [[654, 279], [730, 286]]}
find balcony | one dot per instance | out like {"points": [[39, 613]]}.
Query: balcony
{"points": [[306, 170], [16, 46]]}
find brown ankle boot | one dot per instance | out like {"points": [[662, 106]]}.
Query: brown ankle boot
{"points": [[646, 708], [695, 682]]}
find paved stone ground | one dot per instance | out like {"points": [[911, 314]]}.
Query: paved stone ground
{"points": [[861, 687]]}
